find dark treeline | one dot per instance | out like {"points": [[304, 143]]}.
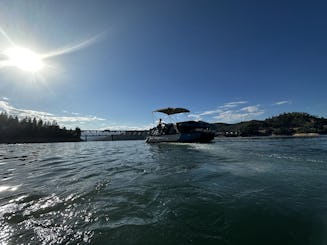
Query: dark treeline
{"points": [[283, 124], [29, 130]]}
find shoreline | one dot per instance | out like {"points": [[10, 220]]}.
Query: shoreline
{"points": [[297, 135], [59, 140], [306, 135], [37, 140]]}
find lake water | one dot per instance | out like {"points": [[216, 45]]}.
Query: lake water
{"points": [[232, 191]]}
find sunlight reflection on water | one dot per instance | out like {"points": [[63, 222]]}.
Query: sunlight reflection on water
{"points": [[8, 188]]}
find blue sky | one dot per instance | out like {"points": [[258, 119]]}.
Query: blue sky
{"points": [[117, 61]]}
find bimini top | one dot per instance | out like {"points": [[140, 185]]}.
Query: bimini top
{"points": [[170, 110]]}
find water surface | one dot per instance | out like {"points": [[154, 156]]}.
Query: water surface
{"points": [[232, 191]]}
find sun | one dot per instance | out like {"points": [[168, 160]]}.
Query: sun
{"points": [[25, 59], [29, 61]]}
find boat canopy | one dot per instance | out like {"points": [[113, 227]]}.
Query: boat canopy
{"points": [[170, 110]]}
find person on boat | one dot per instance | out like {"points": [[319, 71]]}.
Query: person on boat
{"points": [[160, 125]]}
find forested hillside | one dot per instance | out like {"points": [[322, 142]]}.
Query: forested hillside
{"points": [[283, 124], [13, 130]]}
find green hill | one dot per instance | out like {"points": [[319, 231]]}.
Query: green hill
{"points": [[283, 124]]}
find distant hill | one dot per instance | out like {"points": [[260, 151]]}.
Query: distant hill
{"points": [[284, 124]]}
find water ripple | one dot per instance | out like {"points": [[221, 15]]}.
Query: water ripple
{"points": [[135, 193]]}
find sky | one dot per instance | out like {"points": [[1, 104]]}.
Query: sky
{"points": [[109, 64]]}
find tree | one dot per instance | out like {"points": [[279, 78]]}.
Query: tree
{"points": [[13, 130], [78, 132]]}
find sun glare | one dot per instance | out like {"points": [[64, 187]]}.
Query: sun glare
{"points": [[25, 59], [29, 61]]}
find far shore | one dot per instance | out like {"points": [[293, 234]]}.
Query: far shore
{"points": [[37, 140], [276, 136]]}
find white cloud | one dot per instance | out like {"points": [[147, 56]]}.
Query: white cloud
{"points": [[116, 127], [250, 109], [72, 113], [207, 113], [195, 116], [231, 116], [232, 104], [67, 121], [282, 102], [222, 108], [4, 105], [75, 120], [230, 112], [243, 114]]}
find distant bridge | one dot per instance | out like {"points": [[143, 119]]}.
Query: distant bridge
{"points": [[108, 135]]}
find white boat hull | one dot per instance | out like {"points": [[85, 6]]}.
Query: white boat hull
{"points": [[163, 138]]}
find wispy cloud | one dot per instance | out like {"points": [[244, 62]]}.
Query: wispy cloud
{"points": [[196, 117], [241, 114], [283, 102], [3, 33], [250, 109], [212, 112], [6, 107], [230, 112], [67, 121], [117, 127], [75, 47], [233, 104], [219, 110], [7, 61]]}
